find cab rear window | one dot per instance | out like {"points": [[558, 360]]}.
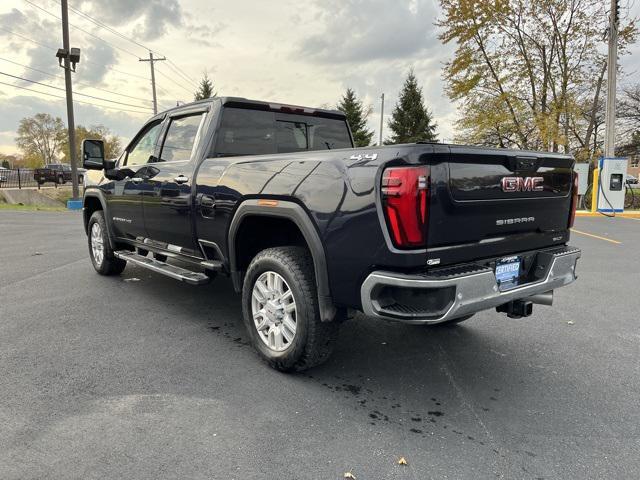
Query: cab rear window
{"points": [[255, 132]]}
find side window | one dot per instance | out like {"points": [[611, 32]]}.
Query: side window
{"points": [[246, 132], [329, 134], [140, 152], [181, 138]]}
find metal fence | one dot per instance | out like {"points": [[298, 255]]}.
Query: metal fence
{"points": [[17, 178], [23, 178]]}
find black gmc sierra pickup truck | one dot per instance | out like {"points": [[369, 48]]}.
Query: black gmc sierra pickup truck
{"points": [[310, 229]]}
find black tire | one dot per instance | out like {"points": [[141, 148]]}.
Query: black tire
{"points": [[109, 264], [314, 339], [451, 323]]}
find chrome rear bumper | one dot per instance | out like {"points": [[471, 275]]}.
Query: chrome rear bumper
{"points": [[461, 290]]}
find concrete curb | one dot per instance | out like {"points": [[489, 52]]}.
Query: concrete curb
{"points": [[584, 213]]}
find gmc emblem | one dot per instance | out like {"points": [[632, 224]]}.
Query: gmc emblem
{"points": [[522, 184]]}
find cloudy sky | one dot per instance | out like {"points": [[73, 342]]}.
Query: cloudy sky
{"points": [[287, 51]]}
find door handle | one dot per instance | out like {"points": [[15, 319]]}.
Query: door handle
{"points": [[137, 180], [180, 179]]}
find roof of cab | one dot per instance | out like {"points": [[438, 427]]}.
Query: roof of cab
{"points": [[259, 104]]}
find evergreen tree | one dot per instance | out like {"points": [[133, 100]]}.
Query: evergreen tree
{"points": [[357, 115], [410, 120], [205, 89]]}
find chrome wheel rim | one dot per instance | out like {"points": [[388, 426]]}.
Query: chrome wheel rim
{"points": [[273, 307], [97, 243]]}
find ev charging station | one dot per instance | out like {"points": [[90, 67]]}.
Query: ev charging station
{"points": [[611, 184]]}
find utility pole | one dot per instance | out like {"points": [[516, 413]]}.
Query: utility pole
{"points": [[612, 70], [67, 81], [151, 61], [381, 118]]}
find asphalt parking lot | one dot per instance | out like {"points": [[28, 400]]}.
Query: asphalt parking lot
{"points": [[118, 378]]}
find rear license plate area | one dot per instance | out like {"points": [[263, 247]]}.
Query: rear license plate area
{"points": [[508, 271]]}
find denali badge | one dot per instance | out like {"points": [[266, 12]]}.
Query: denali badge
{"points": [[522, 184]]}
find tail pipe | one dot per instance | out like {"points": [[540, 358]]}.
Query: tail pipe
{"points": [[545, 298]]}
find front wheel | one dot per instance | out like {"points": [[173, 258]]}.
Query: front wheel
{"points": [[102, 257], [280, 310]]}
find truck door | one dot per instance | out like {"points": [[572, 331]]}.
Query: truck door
{"points": [[125, 200], [168, 202]]}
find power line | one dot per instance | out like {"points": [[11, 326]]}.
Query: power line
{"points": [[172, 80], [106, 27], [77, 83], [178, 70], [81, 29], [94, 63], [100, 24], [27, 39], [75, 101], [59, 88], [55, 50]]}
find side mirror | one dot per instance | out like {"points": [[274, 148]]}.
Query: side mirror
{"points": [[93, 154]]}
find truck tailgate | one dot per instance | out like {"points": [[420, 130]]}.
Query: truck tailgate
{"points": [[488, 203]]}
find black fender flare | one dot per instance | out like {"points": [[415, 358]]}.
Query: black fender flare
{"points": [[94, 193], [295, 213]]}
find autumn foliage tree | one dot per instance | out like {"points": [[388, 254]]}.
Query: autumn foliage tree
{"points": [[112, 145], [529, 74], [40, 137]]}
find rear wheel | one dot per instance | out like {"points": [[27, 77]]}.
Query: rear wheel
{"points": [[100, 251], [280, 310]]}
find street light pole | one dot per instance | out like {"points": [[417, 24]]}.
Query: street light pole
{"points": [[612, 70], [381, 118], [69, 90]]}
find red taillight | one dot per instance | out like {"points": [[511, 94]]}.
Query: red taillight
{"points": [[405, 201], [574, 199]]}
